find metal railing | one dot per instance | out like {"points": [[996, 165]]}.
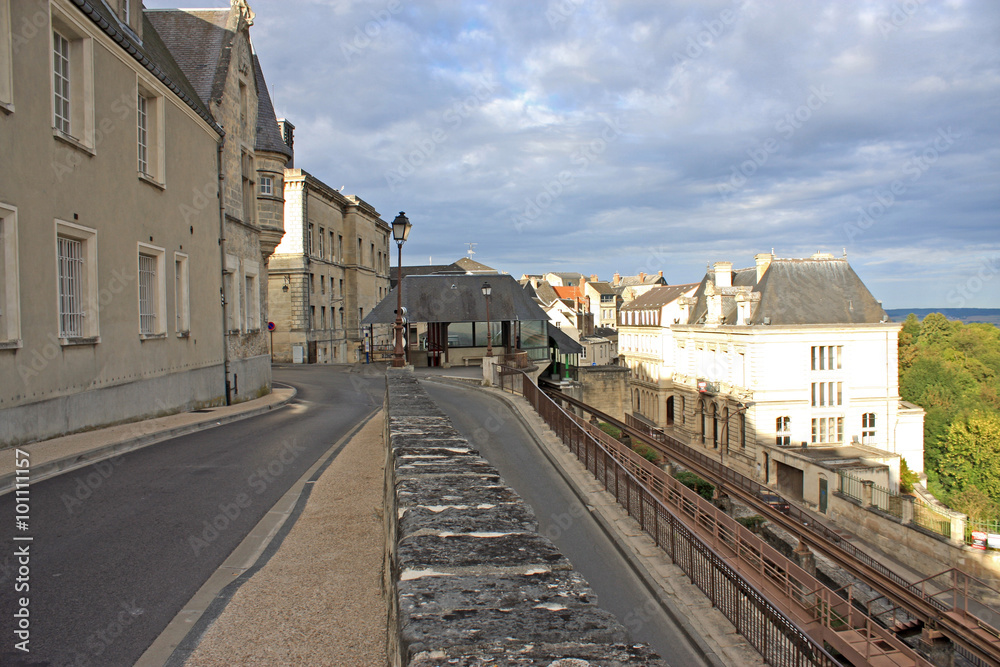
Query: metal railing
{"points": [[932, 519], [851, 486], [677, 518]]}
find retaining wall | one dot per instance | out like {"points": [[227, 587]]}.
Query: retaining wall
{"points": [[469, 580]]}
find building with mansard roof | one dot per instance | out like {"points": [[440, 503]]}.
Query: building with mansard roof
{"points": [[787, 371]]}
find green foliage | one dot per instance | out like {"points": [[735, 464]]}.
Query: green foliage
{"points": [[751, 522], [907, 478], [647, 452], [976, 504], [696, 484], [613, 431], [952, 371]]}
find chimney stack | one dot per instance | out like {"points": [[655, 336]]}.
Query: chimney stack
{"points": [[723, 274], [642, 277], [763, 261], [593, 277], [618, 279], [661, 274]]}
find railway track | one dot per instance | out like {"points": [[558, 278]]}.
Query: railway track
{"points": [[977, 639]]}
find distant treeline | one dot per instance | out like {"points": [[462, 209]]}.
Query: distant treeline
{"points": [[952, 370], [989, 315]]}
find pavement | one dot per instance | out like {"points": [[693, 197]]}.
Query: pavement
{"points": [[58, 455]]}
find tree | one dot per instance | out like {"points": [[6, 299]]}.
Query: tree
{"points": [[976, 504], [971, 455]]}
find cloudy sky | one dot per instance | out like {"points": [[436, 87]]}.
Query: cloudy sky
{"points": [[644, 135]]}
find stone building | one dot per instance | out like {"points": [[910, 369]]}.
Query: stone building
{"points": [[109, 223], [328, 272], [213, 48], [645, 347], [787, 372]]}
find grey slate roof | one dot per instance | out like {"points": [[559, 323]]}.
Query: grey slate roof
{"points": [[632, 281], [268, 134], [545, 293], [458, 298], [658, 297], [151, 54], [564, 342], [469, 264], [602, 287], [799, 291], [201, 43]]}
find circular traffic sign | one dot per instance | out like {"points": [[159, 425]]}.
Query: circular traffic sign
{"points": [[270, 326]]}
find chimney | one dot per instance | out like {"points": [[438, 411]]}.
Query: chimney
{"points": [[618, 279], [723, 274], [713, 301], [593, 277], [642, 277], [288, 136], [763, 261], [660, 273]]}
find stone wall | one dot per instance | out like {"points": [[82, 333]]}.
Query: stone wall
{"points": [[606, 389], [469, 579], [921, 550]]}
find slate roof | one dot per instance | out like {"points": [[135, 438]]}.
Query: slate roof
{"points": [[563, 341], [151, 54], [469, 264], [457, 298], [201, 41], [544, 292], [659, 296], [798, 291], [633, 281], [602, 287], [268, 135]]}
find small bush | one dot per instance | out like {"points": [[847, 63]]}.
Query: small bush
{"points": [[696, 484], [647, 452], [751, 522], [613, 431], [907, 478]]}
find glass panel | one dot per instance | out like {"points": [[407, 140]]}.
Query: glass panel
{"points": [[496, 334], [460, 334], [534, 334]]}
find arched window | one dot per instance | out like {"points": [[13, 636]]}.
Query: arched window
{"points": [[868, 428], [715, 427]]}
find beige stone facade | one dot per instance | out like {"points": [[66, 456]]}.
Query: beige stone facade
{"points": [[109, 256], [331, 269]]}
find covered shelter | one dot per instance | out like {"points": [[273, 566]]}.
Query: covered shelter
{"points": [[447, 321]]}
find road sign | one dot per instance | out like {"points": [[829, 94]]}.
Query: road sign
{"points": [[270, 326]]}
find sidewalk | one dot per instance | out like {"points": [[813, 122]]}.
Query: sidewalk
{"points": [[52, 457]]}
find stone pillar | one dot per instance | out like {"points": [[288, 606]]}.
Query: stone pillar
{"points": [[940, 651], [805, 558], [489, 363], [907, 509], [866, 493], [958, 528]]}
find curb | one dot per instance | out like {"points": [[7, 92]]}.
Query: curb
{"points": [[648, 578], [81, 459]]}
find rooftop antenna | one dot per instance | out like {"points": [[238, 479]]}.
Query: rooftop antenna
{"points": [[845, 253], [472, 249]]}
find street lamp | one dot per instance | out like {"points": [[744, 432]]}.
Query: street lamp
{"points": [[400, 231], [487, 290]]}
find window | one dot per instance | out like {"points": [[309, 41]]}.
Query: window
{"points": [[10, 311], [827, 394], [143, 134], [72, 81], [827, 357], [182, 294], [6, 59], [60, 82], [251, 295], [373, 256], [249, 199], [312, 283], [322, 235], [331, 251], [126, 13], [783, 431], [322, 284], [322, 317], [828, 430], [76, 255], [231, 287], [341, 317], [244, 106], [309, 240], [312, 317], [266, 185], [868, 428], [152, 291], [340, 248]]}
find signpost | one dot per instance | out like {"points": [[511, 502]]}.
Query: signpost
{"points": [[270, 328]]}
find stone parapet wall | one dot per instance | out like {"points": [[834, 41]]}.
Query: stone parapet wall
{"points": [[469, 579]]}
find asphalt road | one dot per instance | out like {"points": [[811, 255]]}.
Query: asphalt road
{"points": [[119, 547], [501, 438]]}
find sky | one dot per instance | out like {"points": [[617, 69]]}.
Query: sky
{"points": [[642, 135]]}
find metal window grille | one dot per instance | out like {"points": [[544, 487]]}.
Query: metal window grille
{"points": [[61, 82], [143, 135], [147, 294], [70, 288]]}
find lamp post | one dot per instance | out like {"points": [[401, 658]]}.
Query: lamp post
{"points": [[400, 231], [487, 290]]}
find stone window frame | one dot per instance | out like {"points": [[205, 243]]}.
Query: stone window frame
{"points": [[154, 171], [6, 59], [81, 134], [182, 294], [159, 291], [10, 293], [88, 295]]}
